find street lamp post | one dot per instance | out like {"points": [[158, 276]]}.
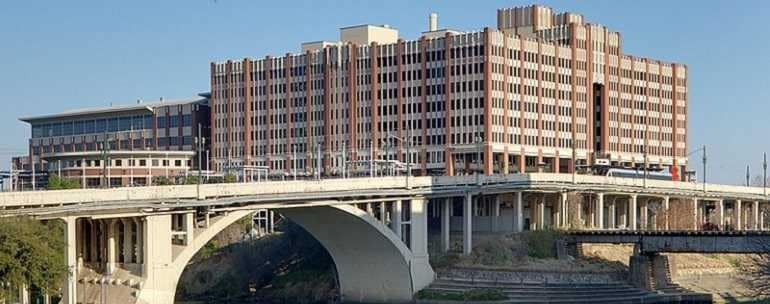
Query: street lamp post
{"points": [[200, 141], [748, 176], [408, 143], [764, 174]]}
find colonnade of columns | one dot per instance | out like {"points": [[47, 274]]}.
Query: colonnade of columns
{"points": [[602, 210]]}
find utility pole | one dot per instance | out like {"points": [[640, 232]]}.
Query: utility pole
{"points": [[574, 160], [644, 150], [294, 161], [704, 168], [318, 161], [344, 159], [479, 143], [200, 141], [408, 156], [764, 174], [105, 159]]}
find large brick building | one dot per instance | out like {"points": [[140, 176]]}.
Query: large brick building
{"points": [[526, 96]]}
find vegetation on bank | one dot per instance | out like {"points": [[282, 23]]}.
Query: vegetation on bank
{"points": [[480, 294], [287, 267], [31, 254]]}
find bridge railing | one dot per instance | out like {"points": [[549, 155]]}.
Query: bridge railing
{"points": [[176, 192]]}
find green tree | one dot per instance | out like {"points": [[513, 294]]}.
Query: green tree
{"points": [[56, 182], [230, 178], [162, 181], [191, 180], [32, 254]]}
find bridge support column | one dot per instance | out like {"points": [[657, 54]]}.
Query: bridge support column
{"points": [[541, 212], [755, 213], [564, 210], [446, 209], [111, 250], [600, 210], [666, 212], [419, 239], [632, 214], [139, 246], [189, 228], [696, 213], [519, 213], [396, 219], [495, 214], [128, 245], [738, 214], [467, 224], [158, 270], [612, 218], [643, 216], [69, 291], [721, 209]]}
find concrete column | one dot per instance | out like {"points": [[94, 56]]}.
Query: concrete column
{"points": [[446, 209], [189, 228], [632, 214], [94, 254], [396, 220], [695, 213], [383, 217], [206, 219], [643, 217], [721, 210], [69, 291], [755, 216], [600, 210], [467, 224], [624, 214], [541, 213], [738, 215], [564, 210], [495, 214], [111, 250], [369, 209], [612, 216], [518, 213], [419, 229], [128, 243], [139, 246], [666, 202]]}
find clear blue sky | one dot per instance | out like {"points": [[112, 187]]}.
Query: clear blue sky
{"points": [[57, 55]]}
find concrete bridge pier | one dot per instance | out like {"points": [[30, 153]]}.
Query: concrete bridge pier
{"points": [[649, 271]]}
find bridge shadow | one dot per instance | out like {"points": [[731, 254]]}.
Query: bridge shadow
{"points": [[286, 266]]}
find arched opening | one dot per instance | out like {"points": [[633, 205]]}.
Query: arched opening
{"points": [[359, 245]]}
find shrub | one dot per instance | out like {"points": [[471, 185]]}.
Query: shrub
{"points": [[485, 294], [492, 253], [541, 244], [444, 261], [230, 178]]}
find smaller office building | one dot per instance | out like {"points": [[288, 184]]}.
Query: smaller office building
{"points": [[124, 145]]}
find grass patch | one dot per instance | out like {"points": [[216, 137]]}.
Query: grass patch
{"points": [[485, 294]]}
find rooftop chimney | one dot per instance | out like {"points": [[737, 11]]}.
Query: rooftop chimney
{"points": [[433, 22]]}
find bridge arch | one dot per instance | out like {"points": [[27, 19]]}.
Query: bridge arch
{"points": [[373, 264]]}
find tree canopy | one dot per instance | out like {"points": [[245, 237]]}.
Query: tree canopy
{"points": [[32, 254], [56, 182]]}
